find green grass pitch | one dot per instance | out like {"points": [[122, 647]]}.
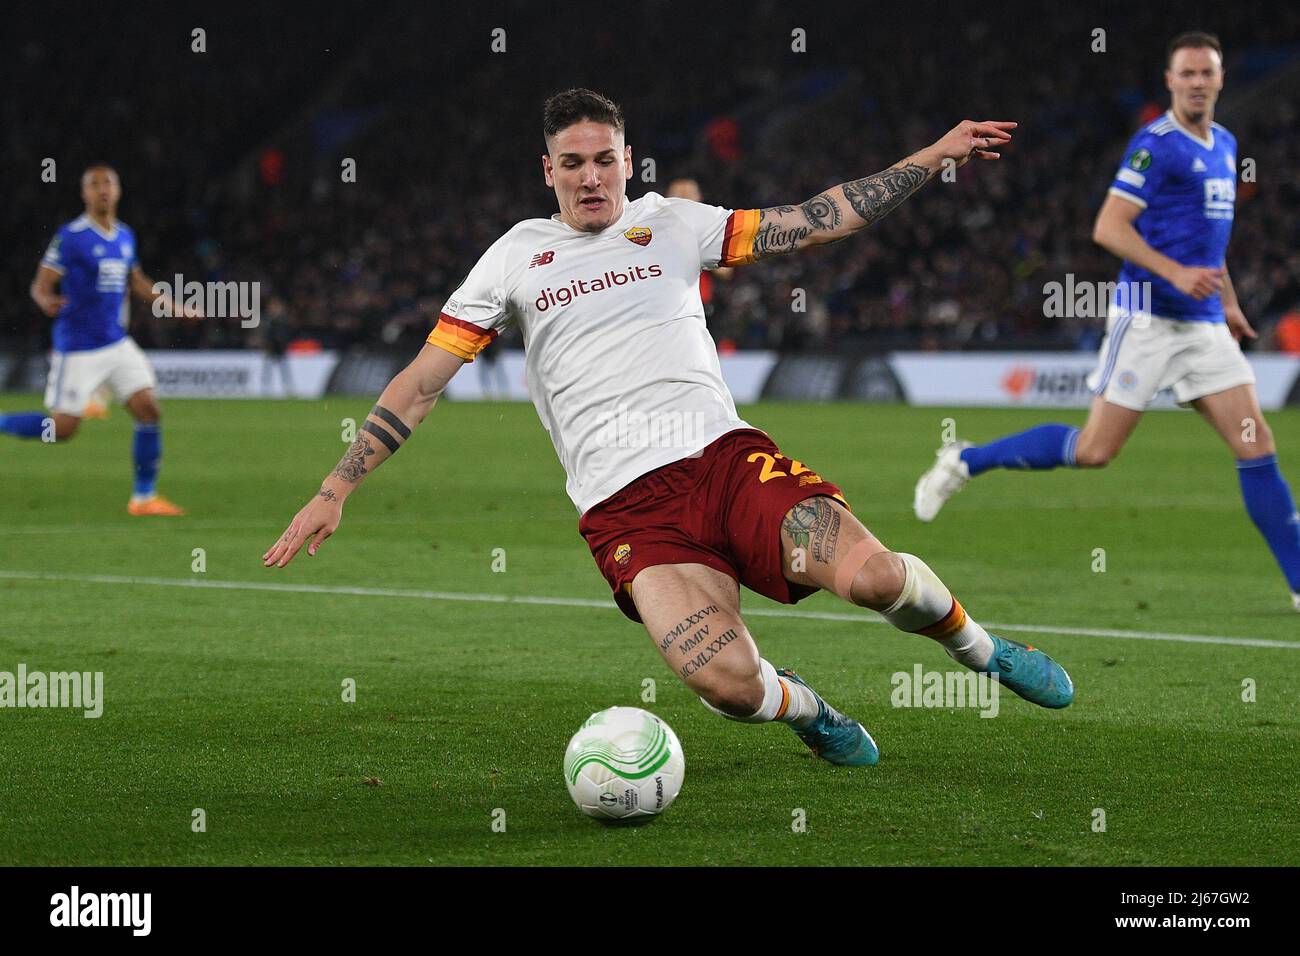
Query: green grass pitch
{"points": [[230, 700]]}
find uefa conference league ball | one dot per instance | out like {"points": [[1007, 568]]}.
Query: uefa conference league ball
{"points": [[624, 762]]}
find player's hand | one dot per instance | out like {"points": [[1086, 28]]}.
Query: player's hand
{"points": [[973, 138], [319, 517], [1238, 325], [51, 305], [1199, 282]]}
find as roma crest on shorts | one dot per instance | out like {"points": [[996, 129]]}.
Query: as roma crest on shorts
{"points": [[640, 235], [623, 553]]}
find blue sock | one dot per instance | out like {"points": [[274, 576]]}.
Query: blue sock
{"points": [[1271, 507], [147, 450], [23, 424], [1039, 448]]}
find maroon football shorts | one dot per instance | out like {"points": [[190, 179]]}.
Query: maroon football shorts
{"points": [[723, 509]]}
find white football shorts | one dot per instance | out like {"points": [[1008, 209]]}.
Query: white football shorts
{"points": [[1142, 354], [74, 376]]}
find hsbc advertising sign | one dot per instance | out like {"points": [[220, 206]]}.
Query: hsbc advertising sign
{"points": [[1043, 379]]}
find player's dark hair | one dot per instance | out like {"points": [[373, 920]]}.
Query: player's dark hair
{"points": [[1195, 40], [573, 106], [108, 166]]}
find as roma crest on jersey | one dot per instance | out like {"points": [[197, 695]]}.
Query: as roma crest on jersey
{"points": [[640, 235]]}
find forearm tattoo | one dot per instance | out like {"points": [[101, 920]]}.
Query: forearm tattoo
{"points": [[389, 442], [788, 228], [815, 523], [352, 467], [387, 432], [776, 235], [328, 494], [877, 196], [822, 212], [388, 418]]}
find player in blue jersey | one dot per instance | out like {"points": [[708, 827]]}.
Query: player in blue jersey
{"points": [[1168, 216], [82, 283]]}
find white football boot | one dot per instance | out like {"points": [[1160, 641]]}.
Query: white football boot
{"points": [[947, 476]]}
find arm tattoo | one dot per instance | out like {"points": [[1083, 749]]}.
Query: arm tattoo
{"points": [[816, 523], [391, 443], [328, 494], [352, 467], [822, 212], [784, 229], [776, 236], [391, 420], [876, 196]]}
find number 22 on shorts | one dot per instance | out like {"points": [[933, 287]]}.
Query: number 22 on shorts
{"points": [[769, 466]]}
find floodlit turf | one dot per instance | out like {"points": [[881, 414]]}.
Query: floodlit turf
{"points": [[231, 700]]}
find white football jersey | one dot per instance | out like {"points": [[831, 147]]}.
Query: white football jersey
{"points": [[620, 365]]}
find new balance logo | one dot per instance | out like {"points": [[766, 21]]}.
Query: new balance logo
{"points": [[542, 259], [1198, 166]]}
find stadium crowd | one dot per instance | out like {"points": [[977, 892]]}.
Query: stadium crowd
{"points": [[232, 165]]}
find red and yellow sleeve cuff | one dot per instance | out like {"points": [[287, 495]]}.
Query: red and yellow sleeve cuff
{"points": [[460, 338], [738, 240]]}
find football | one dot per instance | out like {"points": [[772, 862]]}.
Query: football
{"points": [[624, 763]]}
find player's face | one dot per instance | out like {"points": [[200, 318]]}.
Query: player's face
{"points": [[588, 166], [1194, 79], [100, 191]]}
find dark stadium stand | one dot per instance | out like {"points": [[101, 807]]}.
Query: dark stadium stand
{"points": [[230, 160]]}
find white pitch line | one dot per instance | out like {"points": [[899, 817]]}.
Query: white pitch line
{"points": [[607, 605]]}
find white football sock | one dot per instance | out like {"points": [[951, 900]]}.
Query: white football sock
{"points": [[927, 607], [783, 700]]}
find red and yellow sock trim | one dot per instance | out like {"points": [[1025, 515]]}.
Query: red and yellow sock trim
{"points": [[951, 623], [785, 700]]}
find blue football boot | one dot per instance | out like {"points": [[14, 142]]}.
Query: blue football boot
{"points": [[832, 736], [1030, 673]]}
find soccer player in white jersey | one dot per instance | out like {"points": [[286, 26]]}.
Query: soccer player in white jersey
{"points": [[82, 282], [681, 500], [1169, 217]]}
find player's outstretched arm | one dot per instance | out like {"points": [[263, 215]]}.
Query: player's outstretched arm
{"points": [[839, 212], [402, 406]]}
